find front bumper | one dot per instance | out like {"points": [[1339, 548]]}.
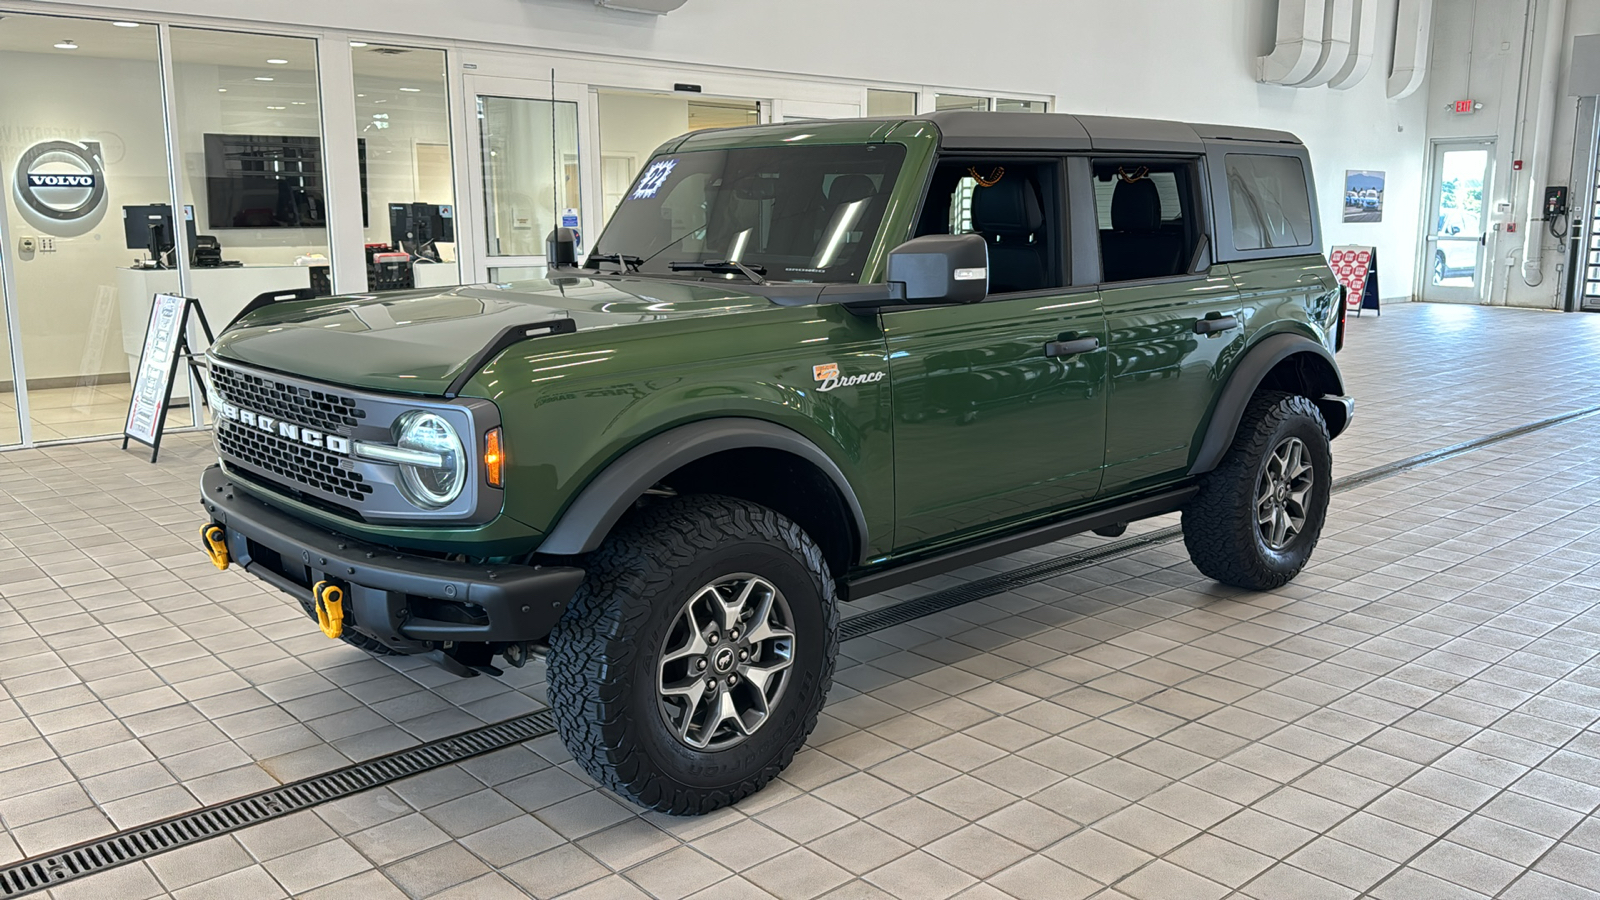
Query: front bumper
{"points": [[403, 600]]}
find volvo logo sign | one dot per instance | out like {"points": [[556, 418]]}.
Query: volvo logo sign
{"points": [[61, 186]]}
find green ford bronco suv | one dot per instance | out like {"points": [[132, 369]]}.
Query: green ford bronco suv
{"points": [[803, 363]]}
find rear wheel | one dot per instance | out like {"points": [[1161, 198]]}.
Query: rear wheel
{"points": [[695, 658], [1438, 267], [1260, 513]]}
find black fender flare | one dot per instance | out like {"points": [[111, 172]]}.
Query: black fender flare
{"points": [[603, 501], [1242, 384]]}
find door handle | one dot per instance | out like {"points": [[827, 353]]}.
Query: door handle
{"points": [[1071, 348], [1212, 326]]}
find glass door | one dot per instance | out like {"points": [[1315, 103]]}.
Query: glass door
{"points": [[1454, 247], [528, 176]]}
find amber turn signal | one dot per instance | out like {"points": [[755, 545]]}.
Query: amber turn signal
{"points": [[494, 460]]}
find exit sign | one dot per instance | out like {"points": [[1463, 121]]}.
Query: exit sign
{"points": [[1466, 106]]}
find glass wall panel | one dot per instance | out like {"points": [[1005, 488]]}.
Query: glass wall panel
{"points": [[81, 139], [891, 103], [943, 102], [403, 121], [1022, 106], [249, 133], [633, 125], [530, 170], [10, 427]]}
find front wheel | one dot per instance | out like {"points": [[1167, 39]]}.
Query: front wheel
{"points": [[694, 660], [1438, 267], [1260, 513]]}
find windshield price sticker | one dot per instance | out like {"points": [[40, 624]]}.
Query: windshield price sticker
{"points": [[651, 182]]}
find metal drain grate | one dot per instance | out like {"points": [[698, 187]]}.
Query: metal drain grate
{"points": [[43, 872], [40, 873]]}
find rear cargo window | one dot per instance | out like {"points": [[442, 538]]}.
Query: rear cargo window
{"points": [[1271, 202]]}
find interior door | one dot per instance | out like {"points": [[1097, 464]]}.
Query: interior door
{"points": [[527, 172], [1456, 239]]}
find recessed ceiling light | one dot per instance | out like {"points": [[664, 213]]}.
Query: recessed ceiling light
{"points": [[66, 45], [297, 103], [263, 78], [380, 101], [126, 24], [412, 90], [361, 95], [222, 90], [276, 107], [277, 62], [358, 43]]}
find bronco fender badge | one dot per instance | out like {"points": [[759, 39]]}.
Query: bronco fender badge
{"points": [[828, 375]]}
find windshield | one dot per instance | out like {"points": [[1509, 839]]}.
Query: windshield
{"points": [[806, 214]]}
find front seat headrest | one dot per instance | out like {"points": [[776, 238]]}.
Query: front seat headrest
{"points": [[850, 188], [1136, 206], [1009, 207]]}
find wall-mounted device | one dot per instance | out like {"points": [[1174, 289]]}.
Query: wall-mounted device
{"points": [[1555, 201]]}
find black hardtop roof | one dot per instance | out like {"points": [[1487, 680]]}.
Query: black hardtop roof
{"points": [[1062, 131]]}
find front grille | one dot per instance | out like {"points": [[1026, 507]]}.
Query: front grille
{"points": [[292, 461], [323, 410], [312, 471]]}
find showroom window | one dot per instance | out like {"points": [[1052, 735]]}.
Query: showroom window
{"points": [[891, 103], [87, 97], [249, 136], [945, 102], [1021, 106], [408, 172], [1270, 200]]}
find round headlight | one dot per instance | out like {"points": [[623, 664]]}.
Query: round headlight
{"points": [[431, 487]]}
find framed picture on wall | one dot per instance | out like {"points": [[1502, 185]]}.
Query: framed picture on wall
{"points": [[1363, 195]]}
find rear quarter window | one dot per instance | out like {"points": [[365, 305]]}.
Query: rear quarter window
{"points": [[1271, 201]]}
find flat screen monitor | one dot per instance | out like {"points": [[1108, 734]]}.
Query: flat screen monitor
{"points": [[270, 181], [150, 228], [421, 223]]}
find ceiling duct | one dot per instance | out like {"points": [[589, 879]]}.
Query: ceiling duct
{"points": [[654, 7], [1299, 43]]}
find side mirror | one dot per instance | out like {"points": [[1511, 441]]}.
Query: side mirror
{"points": [[561, 248], [941, 268]]}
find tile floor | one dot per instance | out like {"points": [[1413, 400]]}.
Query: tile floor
{"points": [[1414, 717]]}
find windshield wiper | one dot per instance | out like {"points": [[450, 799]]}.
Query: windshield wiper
{"points": [[754, 273], [624, 262]]}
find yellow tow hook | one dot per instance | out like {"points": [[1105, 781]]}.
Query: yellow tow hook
{"points": [[330, 608], [215, 542]]}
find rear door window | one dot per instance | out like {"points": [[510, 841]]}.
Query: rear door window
{"points": [[1271, 201]]}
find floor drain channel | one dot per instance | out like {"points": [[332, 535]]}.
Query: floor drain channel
{"points": [[43, 872]]}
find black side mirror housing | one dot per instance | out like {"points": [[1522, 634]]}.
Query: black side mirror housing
{"points": [[941, 268], [561, 248]]}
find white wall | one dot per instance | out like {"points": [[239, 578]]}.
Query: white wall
{"points": [[1160, 58]]}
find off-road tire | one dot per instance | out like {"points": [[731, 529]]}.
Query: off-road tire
{"points": [[353, 638], [1220, 524], [602, 665]]}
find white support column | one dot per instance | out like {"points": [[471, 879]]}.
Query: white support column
{"points": [[179, 198], [341, 175]]}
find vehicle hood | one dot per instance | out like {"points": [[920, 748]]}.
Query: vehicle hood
{"points": [[420, 341]]}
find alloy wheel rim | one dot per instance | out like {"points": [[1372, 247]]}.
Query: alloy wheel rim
{"points": [[1283, 493], [724, 662]]}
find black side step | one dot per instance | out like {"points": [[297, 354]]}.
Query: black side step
{"points": [[879, 581]]}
